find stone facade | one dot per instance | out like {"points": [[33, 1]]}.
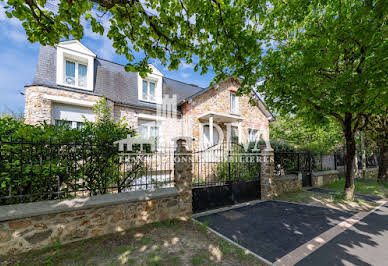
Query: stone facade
{"points": [[39, 101], [217, 100], [287, 184], [322, 178], [38, 106]]}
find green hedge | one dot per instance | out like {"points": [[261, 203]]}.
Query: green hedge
{"points": [[45, 159]]}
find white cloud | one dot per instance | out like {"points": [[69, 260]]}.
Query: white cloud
{"points": [[186, 66], [17, 36], [185, 75]]}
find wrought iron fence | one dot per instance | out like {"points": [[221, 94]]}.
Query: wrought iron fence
{"points": [[224, 163], [291, 162], [294, 162], [324, 161], [34, 171]]}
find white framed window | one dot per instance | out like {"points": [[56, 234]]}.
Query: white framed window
{"points": [[252, 134], [75, 74], [234, 135], [234, 109], [148, 91], [75, 65], [70, 124], [148, 129]]}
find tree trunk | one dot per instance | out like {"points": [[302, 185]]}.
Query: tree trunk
{"points": [[383, 161], [350, 154]]}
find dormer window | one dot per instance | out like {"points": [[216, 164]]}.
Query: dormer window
{"points": [[75, 65], [148, 91], [75, 74]]}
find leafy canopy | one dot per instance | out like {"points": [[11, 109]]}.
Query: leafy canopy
{"points": [[329, 59], [170, 31], [303, 134], [318, 57]]}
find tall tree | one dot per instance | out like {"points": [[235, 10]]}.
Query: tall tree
{"points": [[322, 58], [326, 58]]}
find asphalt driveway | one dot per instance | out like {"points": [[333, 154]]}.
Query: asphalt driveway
{"points": [[274, 229]]}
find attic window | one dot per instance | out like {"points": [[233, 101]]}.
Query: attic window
{"points": [[75, 74], [148, 91], [75, 65]]}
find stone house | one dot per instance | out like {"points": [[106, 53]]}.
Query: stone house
{"points": [[70, 79]]}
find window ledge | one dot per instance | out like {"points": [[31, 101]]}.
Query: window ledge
{"points": [[19, 211], [73, 86], [145, 101]]}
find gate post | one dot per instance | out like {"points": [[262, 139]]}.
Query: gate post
{"points": [[183, 175], [267, 174]]}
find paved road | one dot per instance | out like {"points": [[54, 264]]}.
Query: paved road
{"points": [[366, 243]]}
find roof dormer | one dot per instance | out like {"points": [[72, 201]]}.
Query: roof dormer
{"points": [[75, 65], [150, 88]]}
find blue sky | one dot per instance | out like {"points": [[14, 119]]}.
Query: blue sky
{"points": [[18, 63]]}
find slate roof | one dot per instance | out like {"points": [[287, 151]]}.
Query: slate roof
{"points": [[110, 80], [119, 86]]}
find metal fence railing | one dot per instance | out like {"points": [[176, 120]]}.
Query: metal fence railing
{"points": [[294, 162], [291, 162], [224, 163], [35, 171]]}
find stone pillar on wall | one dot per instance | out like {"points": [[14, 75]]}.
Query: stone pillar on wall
{"points": [[183, 174], [267, 174]]}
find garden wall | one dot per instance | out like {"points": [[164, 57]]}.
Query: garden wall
{"points": [[322, 178], [35, 225], [28, 226], [372, 173], [286, 183]]}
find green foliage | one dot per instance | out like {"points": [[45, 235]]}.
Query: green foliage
{"points": [[239, 165], [169, 31], [304, 135], [53, 159]]}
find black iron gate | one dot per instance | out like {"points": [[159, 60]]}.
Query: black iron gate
{"points": [[295, 163], [224, 175]]}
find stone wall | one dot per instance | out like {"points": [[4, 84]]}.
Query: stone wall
{"points": [[267, 174], [24, 227], [286, 184], [38, 231], [322, 178], [372, 173]]}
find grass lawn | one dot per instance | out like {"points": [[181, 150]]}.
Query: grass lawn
{"points": [[363, 186], [167, 243]]}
